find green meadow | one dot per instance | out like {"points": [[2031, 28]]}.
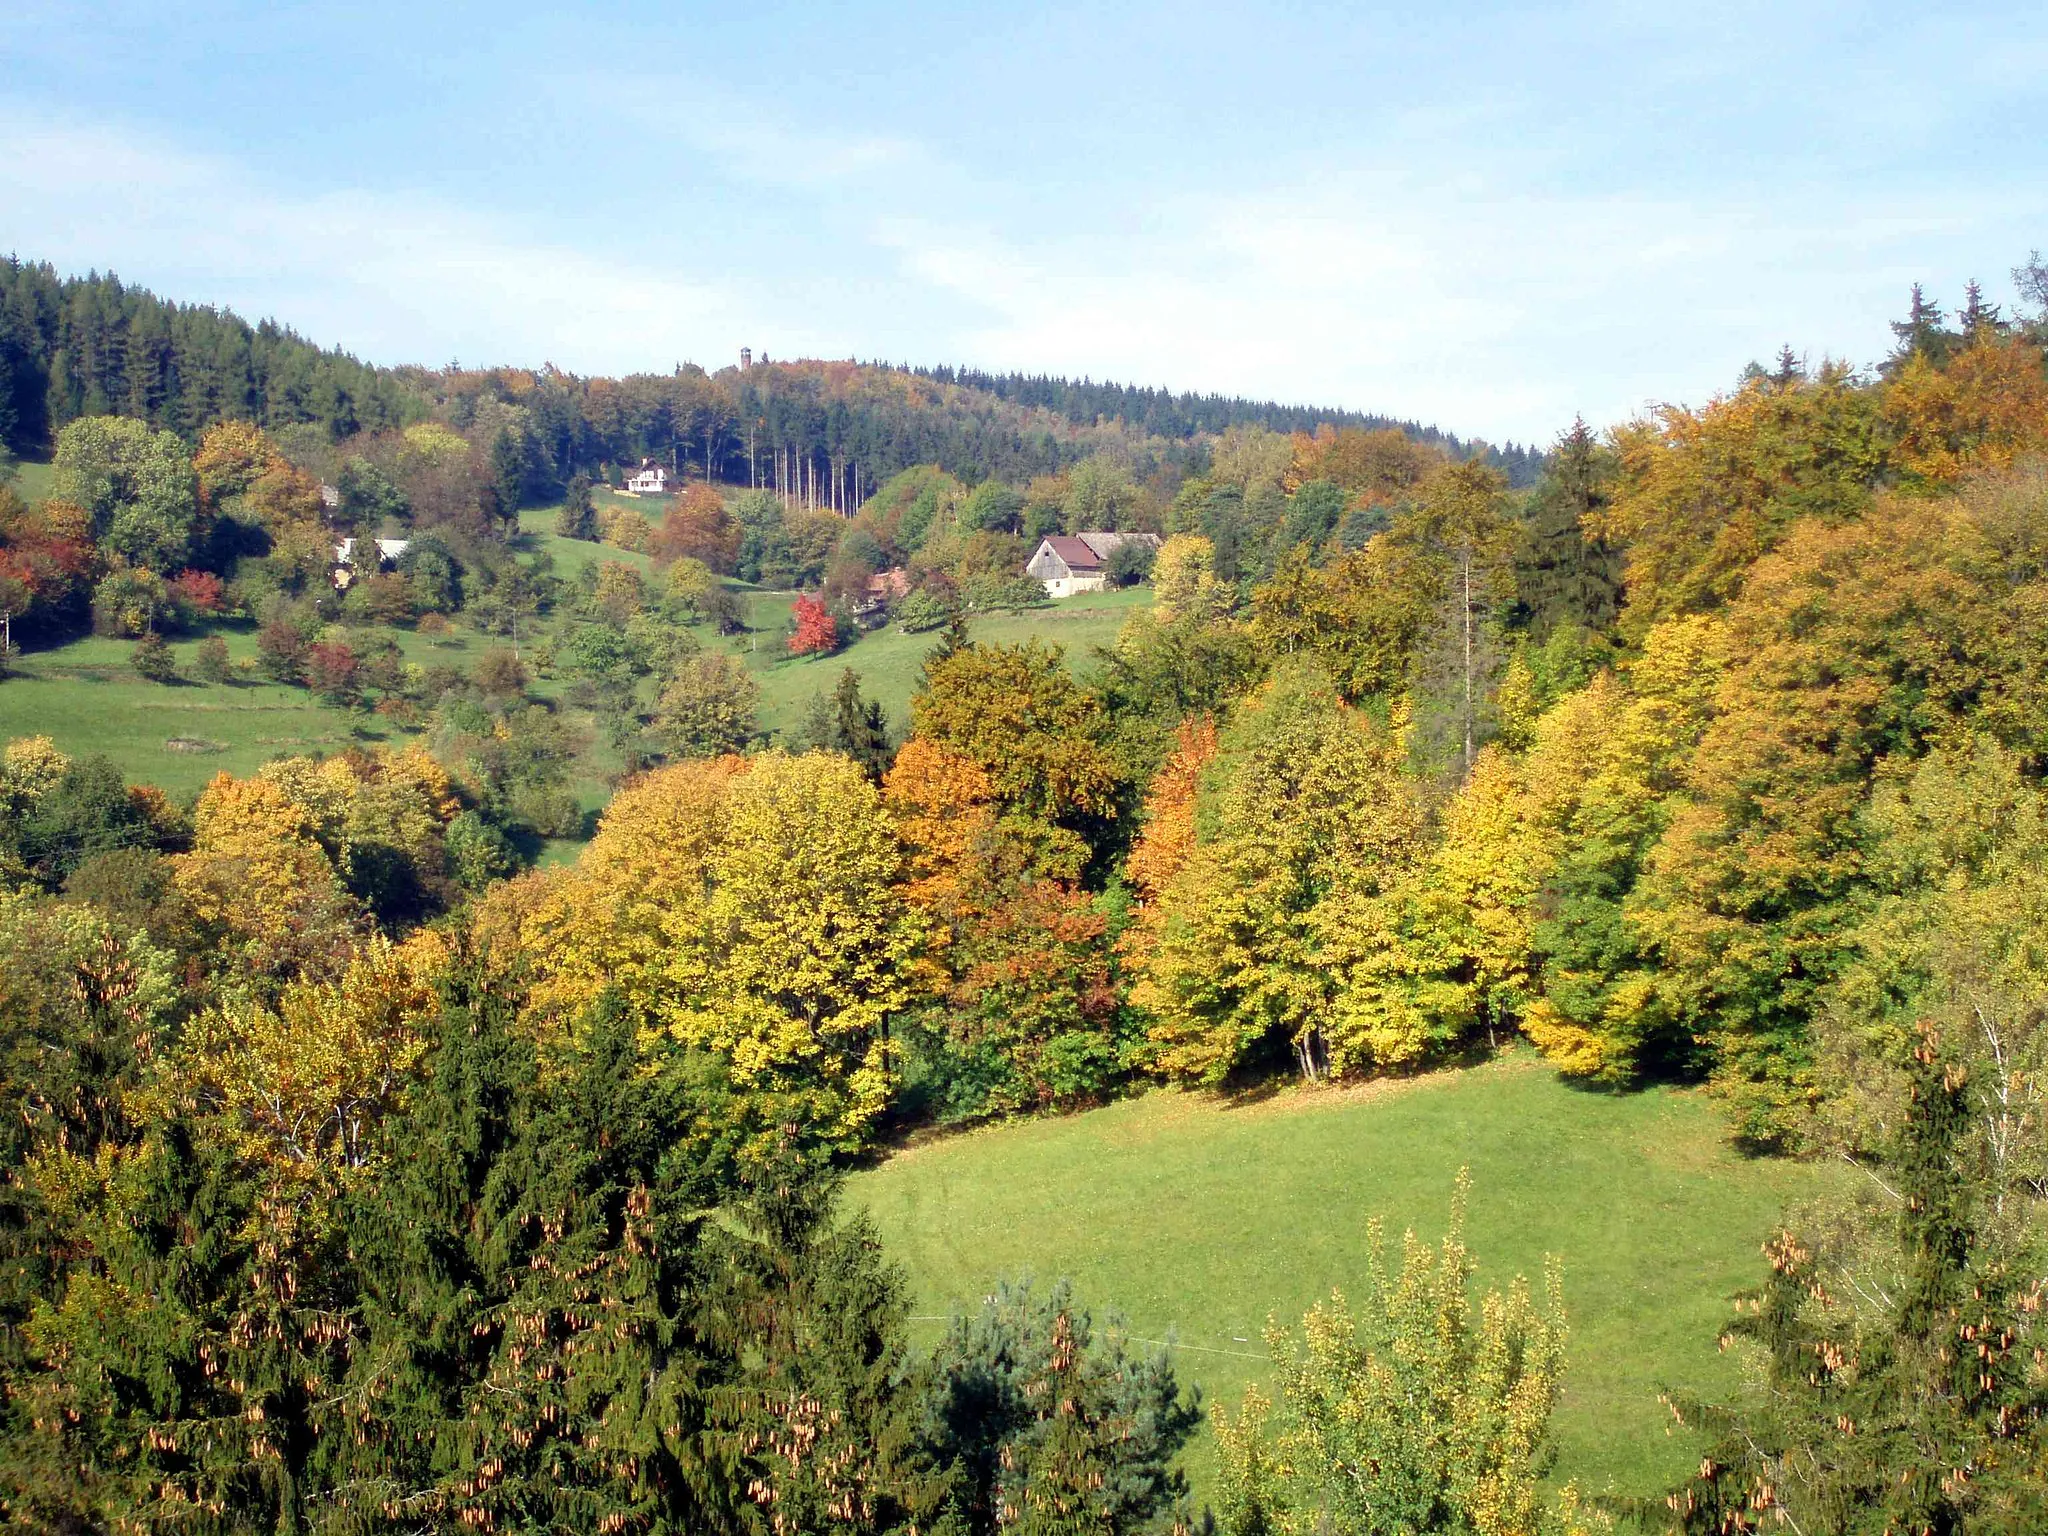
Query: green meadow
{"points": [[1200, 1219], [85, 695]]}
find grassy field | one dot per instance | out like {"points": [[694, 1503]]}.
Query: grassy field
{"points": [[87, 697], [1200, 1219], [890, 660], [32, 482]]}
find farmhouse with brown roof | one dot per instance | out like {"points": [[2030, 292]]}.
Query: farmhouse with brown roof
{"points": [[1079, 562]]}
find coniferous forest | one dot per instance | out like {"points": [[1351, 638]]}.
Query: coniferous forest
{"points": [[394, 1146]]}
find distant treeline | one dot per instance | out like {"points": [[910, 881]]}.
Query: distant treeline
{"points": [[822, 432], [1162, 413], [92, 346]]}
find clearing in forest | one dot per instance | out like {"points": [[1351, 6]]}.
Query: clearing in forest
{"points": [[1200, 1218]]}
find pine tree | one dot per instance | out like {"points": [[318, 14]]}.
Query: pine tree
{"points": [[1923, 333], [859, 727]]}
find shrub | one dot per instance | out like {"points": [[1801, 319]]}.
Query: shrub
{"points": [[549, 809], [281, 651], [379, 599], [199, 592], [1130, 563], [211, 661], [128, 601], [331, 668], [152, 660], [478, 851], [501, 675], [1005, 591], [626, 529], [921, 610]]}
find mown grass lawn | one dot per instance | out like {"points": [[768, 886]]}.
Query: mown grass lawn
{"points": [[1199, 1219]]}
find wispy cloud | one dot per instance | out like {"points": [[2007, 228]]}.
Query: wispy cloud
{"points": [[755, 143], [391, 275], [1502, 315]]}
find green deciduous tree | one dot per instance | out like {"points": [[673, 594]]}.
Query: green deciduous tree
{"points": [[137, 485], [1419, 1411]]}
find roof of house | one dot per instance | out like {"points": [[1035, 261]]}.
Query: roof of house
{"points": [[890, 583], [1104, 543], [387, 549], [1091, 551], [1075, 550]]}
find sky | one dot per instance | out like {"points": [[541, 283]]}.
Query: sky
{"points": [[1492, 218]]}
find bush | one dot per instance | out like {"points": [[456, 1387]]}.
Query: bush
{"points": [[1130, 563], [999, 591], [478, 851], [281, 651], [129, 601], [921, 611], [549, 809], [152, 660], [211, 661], [198, 594], [380, 599], [331, 668], [501, 675]]}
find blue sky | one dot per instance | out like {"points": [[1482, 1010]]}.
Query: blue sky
{"points": [[1489, 217]]}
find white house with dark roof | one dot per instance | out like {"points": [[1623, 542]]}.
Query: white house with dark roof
{"points": [[650, 479], [1079, 562]]}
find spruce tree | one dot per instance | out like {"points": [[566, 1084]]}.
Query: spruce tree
{"points": [[1904, 1400], [1569, 578], [578, 517]]}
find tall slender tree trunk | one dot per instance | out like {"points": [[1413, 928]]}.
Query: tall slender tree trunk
{"points": [[1466, 577]]}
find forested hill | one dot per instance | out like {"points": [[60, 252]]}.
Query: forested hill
{"points": [[88, 346], [1162, 413], [93, 346]]}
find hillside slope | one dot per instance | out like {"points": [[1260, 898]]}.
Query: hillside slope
{"points": [[1200, 1219]]}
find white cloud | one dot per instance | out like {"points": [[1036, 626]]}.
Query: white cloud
{"points": [[1500, 316], [1440, 300], [391, 276]]}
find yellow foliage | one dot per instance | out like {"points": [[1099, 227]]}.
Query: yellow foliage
{"points": [[793, 961], [29, 769], [301, 1086], [437, 443], [1184, 583], [1984, 410], [749, 906], [576, 932], [258, 871], [944, 808]]}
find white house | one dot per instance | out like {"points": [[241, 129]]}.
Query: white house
{"points": [[1079, 562], [388, 553], [650, 479]]}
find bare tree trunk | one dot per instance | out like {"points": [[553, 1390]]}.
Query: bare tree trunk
{"points": [[1466, 574]]}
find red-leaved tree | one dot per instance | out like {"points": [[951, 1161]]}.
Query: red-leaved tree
{"points": [[816, 632]]}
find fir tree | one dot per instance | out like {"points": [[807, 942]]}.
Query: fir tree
{"points": [[1569, 577], [1904, 1400], [1923, 333], [578, 517]]}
